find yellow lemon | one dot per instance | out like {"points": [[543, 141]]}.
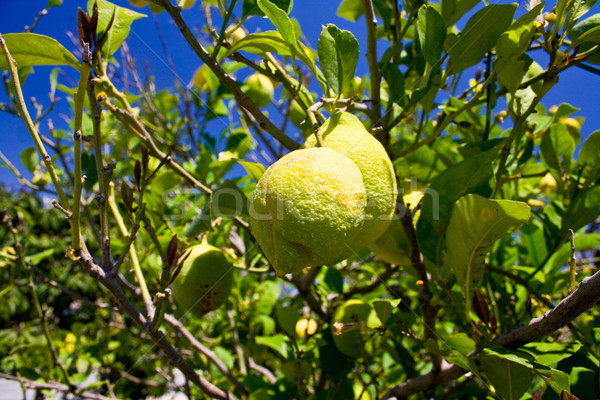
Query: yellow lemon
{"points": [[259, 88], [306, 208], [306, 326], [344, 132]]}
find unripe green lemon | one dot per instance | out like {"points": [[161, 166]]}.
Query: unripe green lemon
{"points": [[350, 320], [238, 34], [297, 114], [306, 208], [205, 280], [344, 132], [259, 88]]}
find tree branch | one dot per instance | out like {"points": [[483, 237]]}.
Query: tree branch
{"points": [[243, 100], [372, 59], [571, 307], [59, 387]]}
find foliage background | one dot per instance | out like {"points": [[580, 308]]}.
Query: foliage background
{"points": [[60, 325]]}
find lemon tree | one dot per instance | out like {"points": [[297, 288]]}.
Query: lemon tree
{"points": [[241, 218]]}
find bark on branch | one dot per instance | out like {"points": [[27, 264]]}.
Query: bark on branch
{"points": [[581, 300]]}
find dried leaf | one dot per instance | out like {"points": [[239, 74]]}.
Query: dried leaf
{"points": [[480, 307]]}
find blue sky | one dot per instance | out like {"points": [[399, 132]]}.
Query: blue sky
{"points": [[577, 87]]}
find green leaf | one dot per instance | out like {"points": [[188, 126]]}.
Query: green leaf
{"points": [[276, 342], [384, 309], [261, 43], [469, 176], [579, 8], [30, 49], [479, 36], [584, 26], [114, 24], [582, 210], [511, 71], [251, 8], [228, 201], [266, 297], [461, 343], [592, 35], [509, 374], [200, 224], [338, 55], [351, 9], [453, 10], [557, 380], [280, 19], [287, 316], [550, 354], [30, 159], [432, 33], [557, 148], [516, 39], [227, 159], [35, 259], [254, 170], [590, 150], [476, 223]]}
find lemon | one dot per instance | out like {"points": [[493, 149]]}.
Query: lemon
{"points": [[306, 208], [259, 88], [296, 113], [350, 320], [344, 132], [205, 280], [306, 326], [188, 3]]}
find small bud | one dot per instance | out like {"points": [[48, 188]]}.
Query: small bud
{"points": [[127, 195], [172, 252], [145, 157], [481, 307], [137, 174]]}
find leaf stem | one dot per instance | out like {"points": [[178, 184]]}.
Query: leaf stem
{"points": [[243, 100], [22, 110], [135, 263], [79, 99]]}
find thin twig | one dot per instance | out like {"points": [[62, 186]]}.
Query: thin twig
{"points": [[429, 311], [59, 387], [372, 60], [170, 319], [243, 100]]}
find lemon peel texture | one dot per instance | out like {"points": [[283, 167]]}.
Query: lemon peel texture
{"points": [[205, 280], [344, 132], [306, 208]]}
